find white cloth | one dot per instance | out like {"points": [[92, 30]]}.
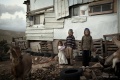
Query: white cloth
{"points": [[61, 55]]}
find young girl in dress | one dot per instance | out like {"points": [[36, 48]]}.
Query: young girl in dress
{"points": [[86, 46], [61, 54]]}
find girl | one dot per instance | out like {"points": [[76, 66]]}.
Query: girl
{"points": [[61, 55], [86, 46]]}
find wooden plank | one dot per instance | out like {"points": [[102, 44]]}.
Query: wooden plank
{"points": [[53, 20], [104, 12], [112, 46], [100, 2], [95, 43], [45, 31], [40, 35], [38, 38], [112, 49], [97, 46]]}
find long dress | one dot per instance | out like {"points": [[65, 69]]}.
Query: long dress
{"points": [[61, 55]]}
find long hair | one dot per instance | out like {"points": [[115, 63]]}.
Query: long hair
{"points": [[60, 42]]}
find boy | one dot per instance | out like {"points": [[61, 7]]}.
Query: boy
{"points": [[70, 45]]}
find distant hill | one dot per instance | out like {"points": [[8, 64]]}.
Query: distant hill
{"points": [[8, 35]]}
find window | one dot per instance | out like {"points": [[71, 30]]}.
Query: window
{"points": [[101, 7], [75, 11], [39, 19]]}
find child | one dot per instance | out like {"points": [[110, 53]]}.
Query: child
{"points": [[62, 58], [86, 46], [70, 45]]}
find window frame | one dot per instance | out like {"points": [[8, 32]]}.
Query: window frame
{"points": [[40, 15], [35, 22], [101, 3], [72, 10]]}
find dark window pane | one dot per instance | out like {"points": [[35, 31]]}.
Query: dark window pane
{"points": [[76, 11], [97, 8], [106, 7], [37, 19]]}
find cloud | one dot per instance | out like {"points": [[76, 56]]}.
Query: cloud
{"points": [[11, 9], [17, 24]]}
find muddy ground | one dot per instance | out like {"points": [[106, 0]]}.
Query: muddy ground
{"points": [[46, 71]]}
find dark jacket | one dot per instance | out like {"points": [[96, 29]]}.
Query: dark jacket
{"points": [[70, 41]]}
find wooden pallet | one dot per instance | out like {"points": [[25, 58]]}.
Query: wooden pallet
{"points": [[110, 47], [46, 46], [98, 44]]}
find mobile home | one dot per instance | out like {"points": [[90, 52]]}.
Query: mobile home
{"points": [[50, 20]]}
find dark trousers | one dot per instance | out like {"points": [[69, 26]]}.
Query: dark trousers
{"points": [[86, 57]]}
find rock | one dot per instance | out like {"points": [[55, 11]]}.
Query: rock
{"points": [[56, 58], [97, 65], [83, 78], [87, 73]]}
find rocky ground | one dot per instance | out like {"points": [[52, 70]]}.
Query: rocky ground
{"points": [[47, 69]]}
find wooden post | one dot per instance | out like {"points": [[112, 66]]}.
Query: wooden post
{"points": [[118, 14], [104, 54]]}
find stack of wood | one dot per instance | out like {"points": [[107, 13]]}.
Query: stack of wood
{"points": [[98, 44], [110, 47], [46, 46]]}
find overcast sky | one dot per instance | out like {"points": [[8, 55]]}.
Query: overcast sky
{"points": [[12, 15]]}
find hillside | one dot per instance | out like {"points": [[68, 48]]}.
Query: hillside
{"points": [[8, 35]]}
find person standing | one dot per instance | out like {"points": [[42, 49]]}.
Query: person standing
{"points": [[86, 46], [61, 54], [70, 45]]}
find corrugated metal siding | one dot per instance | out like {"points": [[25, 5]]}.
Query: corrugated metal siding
{"points": [[52, 22], [39, 34]]}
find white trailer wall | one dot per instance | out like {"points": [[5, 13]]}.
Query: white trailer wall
{"points": [[99, 26]]}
